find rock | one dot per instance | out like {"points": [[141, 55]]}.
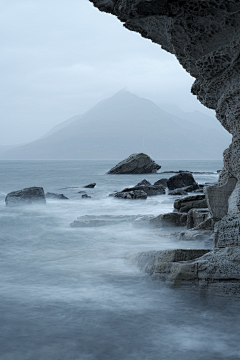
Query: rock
{"points": [[177, 192], [102, 220], [144, 183], [136, 164], [81, 192], [196, 216], [162, 182], [190, 202], [181, 180], [32, 195], [168, 220], [86, 196], [56, 196], [204, 36], [215, 272], [134, 194], [90, 186], [194, 234], [150, 190]]}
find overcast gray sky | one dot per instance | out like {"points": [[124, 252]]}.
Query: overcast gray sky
{"points": [[59, 58]]}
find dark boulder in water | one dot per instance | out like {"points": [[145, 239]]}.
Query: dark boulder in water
{"points": [[90, 186], [162, 182], [136, 164], [181, 180], [144, 182], [86, 196], [28, 196], [150, 190], [131, 194], [56, 196]]}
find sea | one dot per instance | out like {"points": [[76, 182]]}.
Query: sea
{"points": [[72, 294]]}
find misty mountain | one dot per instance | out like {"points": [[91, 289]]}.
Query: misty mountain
{"points": [[126, 124]]}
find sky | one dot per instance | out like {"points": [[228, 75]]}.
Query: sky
{"points": [[58, 59]]}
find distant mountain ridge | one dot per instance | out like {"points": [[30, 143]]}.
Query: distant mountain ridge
{"points": [[124, 124]]}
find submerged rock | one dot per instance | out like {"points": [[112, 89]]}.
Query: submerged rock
{"points": [[90, 186], [28, 196], [86, 196], [136, 164], [56, 196], [103, 220], [177, 192]]}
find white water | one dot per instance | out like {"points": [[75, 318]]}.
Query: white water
{"points": [[68, 293]]}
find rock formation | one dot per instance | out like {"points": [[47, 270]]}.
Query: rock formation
{"points": [[56, 196], [136, 164], [204, 36], [26, 196]]}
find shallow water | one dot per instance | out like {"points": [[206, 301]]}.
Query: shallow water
{"points": [[68, 293]]}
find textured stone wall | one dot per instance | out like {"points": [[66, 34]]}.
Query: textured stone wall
{"points": [[204, 35]]}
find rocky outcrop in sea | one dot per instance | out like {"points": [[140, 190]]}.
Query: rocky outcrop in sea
{"points": [[136, 164], [27, 196]]}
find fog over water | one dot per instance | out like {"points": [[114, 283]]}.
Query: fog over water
{"points": [[69, 293]]}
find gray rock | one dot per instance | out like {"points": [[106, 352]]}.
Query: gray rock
{"points": [[162, 182], [144, 182], [177, 192], [187, 203], [181, 180], [136, 164], [90, 186], [133, 194], [86, 196], [32, 195], [215, 272], [168, 220], [102, 220], [56, 196], [150, 190], [196, 216], [194, 234]]}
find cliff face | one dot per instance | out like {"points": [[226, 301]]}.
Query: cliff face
{"points": [[204, 35]]}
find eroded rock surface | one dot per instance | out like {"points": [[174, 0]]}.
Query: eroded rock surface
{"points": [[136, 164], [205, 38]]}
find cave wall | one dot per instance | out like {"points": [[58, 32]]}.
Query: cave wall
{"points": [[204, 35]]}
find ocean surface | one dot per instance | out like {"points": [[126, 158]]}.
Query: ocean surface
{"points": [[70, 293]]}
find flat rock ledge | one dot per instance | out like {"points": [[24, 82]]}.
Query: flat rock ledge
{"points": [[136, 164], [215, 272]]}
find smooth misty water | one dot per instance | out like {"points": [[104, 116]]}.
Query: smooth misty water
{"points": [[68, 293]]}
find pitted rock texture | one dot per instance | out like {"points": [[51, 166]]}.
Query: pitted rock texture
{"points": [[136, 164], [205, 38]]}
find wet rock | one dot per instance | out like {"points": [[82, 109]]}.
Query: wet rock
{"points": [[168, 220], [181, 180], [86, 196], [28, 196], [90, 186], [136, 164], [144, 182], [177, 192], [194, 234], [150, 190], [196, 216], [133, 194], [215, 272], [190, 202], [162, 182], [102, 220], [56, 196]]}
